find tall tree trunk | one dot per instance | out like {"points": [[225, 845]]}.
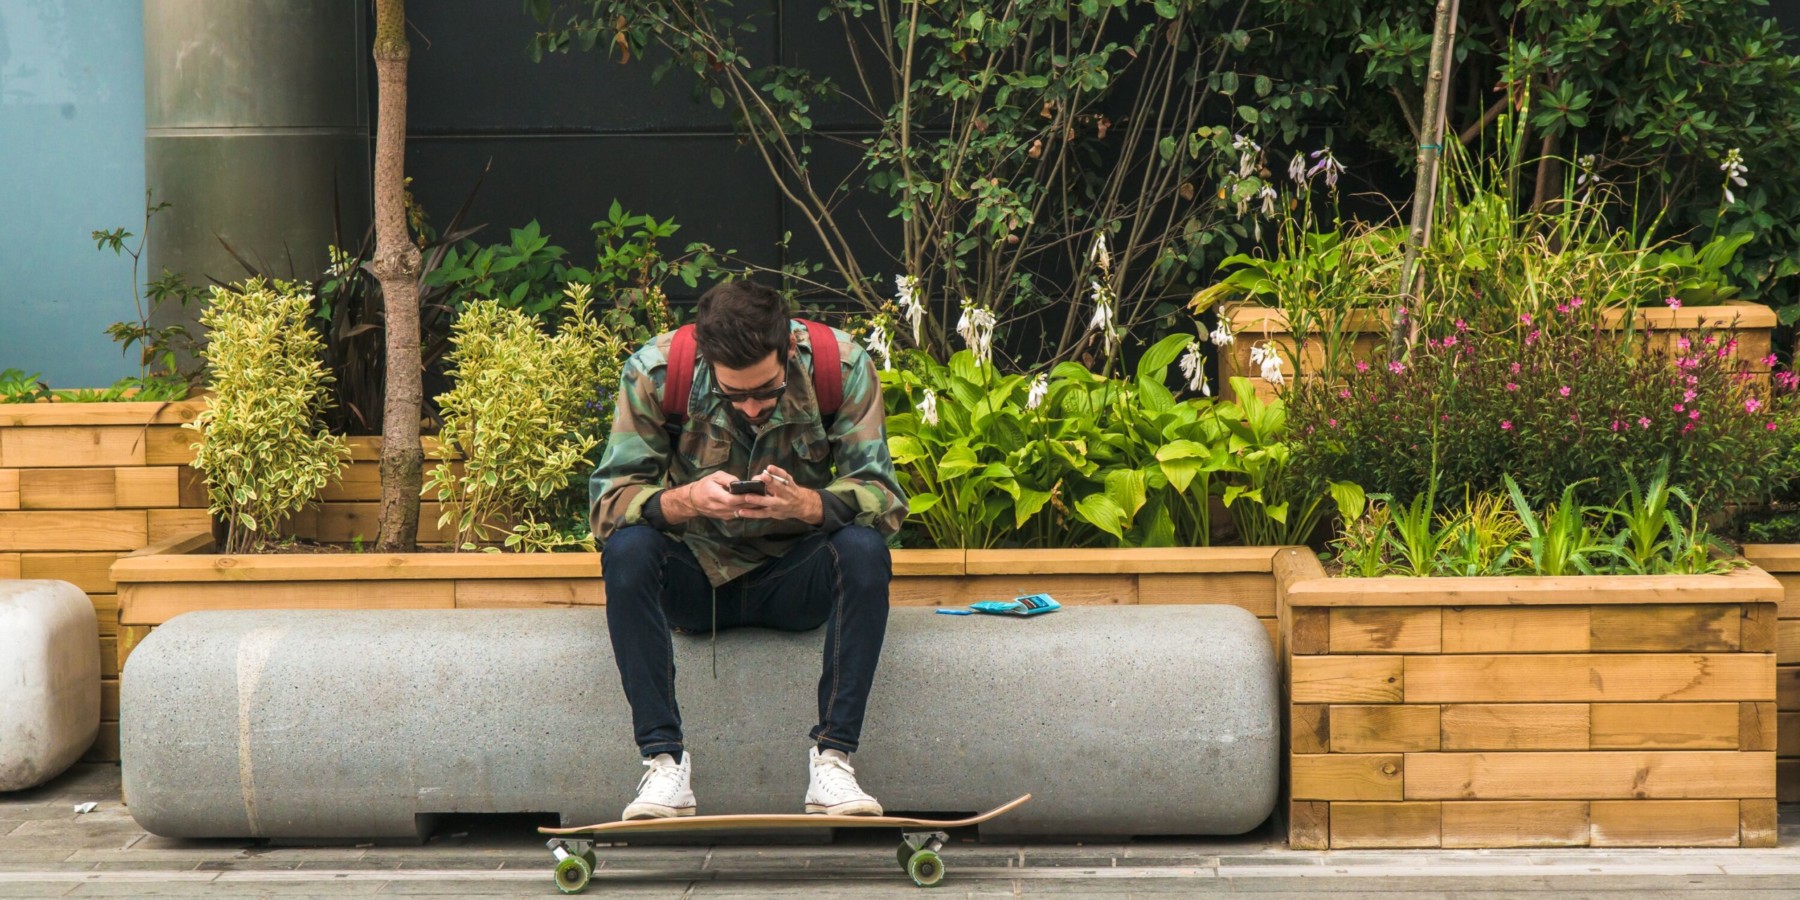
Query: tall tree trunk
{"points": [[396, 265], [1404, 328]]}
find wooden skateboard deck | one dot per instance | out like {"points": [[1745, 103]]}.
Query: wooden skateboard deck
{"points": [[754, 821], [920, 839]]}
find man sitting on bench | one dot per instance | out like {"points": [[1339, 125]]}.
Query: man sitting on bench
{"points": [[747, 482]]}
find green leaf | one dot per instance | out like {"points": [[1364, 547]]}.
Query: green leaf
{"points": [[1103, 513]]}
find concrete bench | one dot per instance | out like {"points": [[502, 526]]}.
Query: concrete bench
{"points": [[324, 724], [49, 680]]}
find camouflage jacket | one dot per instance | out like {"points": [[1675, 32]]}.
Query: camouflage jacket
{"points": [[849, 462]]}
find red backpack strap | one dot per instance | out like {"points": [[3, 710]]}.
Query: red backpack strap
{"points": [[678, 378], [828, 371]]}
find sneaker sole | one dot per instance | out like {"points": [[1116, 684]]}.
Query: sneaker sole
{"points": [[851, 808], [657, 812]]}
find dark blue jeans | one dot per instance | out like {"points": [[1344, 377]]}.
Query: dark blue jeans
{"points": [[654, 582]]}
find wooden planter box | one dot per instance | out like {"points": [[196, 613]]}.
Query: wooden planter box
{"points": [[1753, 324], [1783, 562], [1605, 711]]}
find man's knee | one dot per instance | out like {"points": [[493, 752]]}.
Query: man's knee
{"points": [[632, 553], [863, 556]]}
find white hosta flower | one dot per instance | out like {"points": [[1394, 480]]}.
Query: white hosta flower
{"points": [[906, 287], [1297, 169], [1247, 150], [1222, 336], [1268, 200], [1040, 388], [1103, 315], [880, 345], [1268, 358], [1193, 365], [928, 408], [1328, 164], [1734, 170], [977, 329], [1100, 255]]}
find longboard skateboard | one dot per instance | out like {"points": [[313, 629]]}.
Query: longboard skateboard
{"points": [[920, 839]]}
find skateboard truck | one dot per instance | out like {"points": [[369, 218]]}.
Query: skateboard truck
{"points": [[573, 867], [918, 855]]}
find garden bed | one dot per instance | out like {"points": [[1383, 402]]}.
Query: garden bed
{"points": [[1530, 711]]}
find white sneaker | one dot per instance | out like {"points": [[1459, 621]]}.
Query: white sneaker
{"points": [[833, 790], [665, 791]]}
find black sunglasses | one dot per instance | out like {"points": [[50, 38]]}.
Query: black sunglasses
{"points": [[748, 396]]}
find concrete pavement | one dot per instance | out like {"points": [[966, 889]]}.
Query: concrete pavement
{"points": [[46, 850]]}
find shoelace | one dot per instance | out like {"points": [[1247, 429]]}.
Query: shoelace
{"points": [[667, 778], [838, 777]]}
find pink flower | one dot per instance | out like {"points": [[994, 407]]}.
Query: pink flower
{"points": [[1682, 344], [1787, 380], [1564, 308], [1769, 360], [1331, 422], [1687, 428], [1564, 390], [1505, 424], [1616, 424], [1515, 368], [1511, 387], [1576, 303], [1532, 337], [1678, 407], [1464, 326], [1450, 340], [1688, 396], [1752, 405], [1769, 425], [1396, 367], [1694, 414], [1362, 365], [1672, 303], [1643, 422], [1344, 394], [1525, 318]]}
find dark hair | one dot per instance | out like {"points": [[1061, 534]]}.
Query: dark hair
{"points": [[739, 323]]}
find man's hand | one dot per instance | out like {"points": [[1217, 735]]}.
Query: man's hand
{"points": [[710, 497], [785, 500]]}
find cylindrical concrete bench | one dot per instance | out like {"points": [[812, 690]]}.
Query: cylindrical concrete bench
{"points": [[316, 724], [49, 680]]}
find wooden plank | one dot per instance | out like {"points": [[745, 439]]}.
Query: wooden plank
{"points": [[129, 638], [106, 614], [192, 488], [1120, 561], [1069, 590], [9, 565], [1759, 726], [1515, 726], [1742, 586], [1501, 629], [1692, 628], [1373, 825], [109, 700], [1309, 825], [343, 523], [1774, 557], [359, 481], [150, 486], [1309, 730], [1346, 679], [109, 657], [1664, 823], [1348, 776], [176, 523], [1377, 630], [179, 562], [1757, 824], [1787, 742], [1789, 607], [154, 604], [168, 445], [1310, 631], [136, 412], [1787, 687], [518, 592], [67, 489], [92, 572], [927, 562], [1589, 677], [1664, 726], [64, 530], [1253, 591], [1515, 823], [1787, 776], [1787, 646], [1759, 629], [367, 448], [1591, 775], [72, 447], [1387, 728], [9, 489]]}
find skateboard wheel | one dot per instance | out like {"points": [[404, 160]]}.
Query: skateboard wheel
{"points": [[905, 855], [926, 869], [572, 874], [593, 859]]}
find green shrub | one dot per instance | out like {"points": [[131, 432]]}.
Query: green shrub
{"points": [[263, 447], [526, 414]]}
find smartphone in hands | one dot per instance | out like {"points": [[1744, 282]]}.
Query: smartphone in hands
{"points": [[749, 487]]}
